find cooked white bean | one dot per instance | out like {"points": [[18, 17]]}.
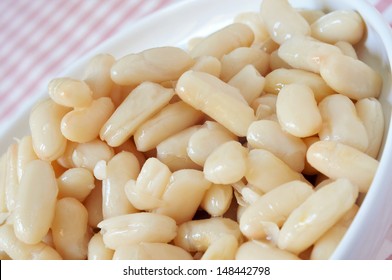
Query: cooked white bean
{"points": [[216, 200], [226, 164], [198, 235], [249, 81], [347, 49], [169, 121], [97, 249], [326, 245], [283, 21], [155, 65], [48, 141], [370, 112], [306, 53], [18, 250], [273, 207], [266, 171], [337, 160], [237, 59], [25, 154], [70, 230], [268, 135], [183, 195], [97, 75], [256, 250], [138, 227], [297, 111], [279, 78], [76, 182], [141, 104], [77, 126], [340, 25], [70, 92], [11, 177], [35, 202], [341, 122], [208, 64], [206, 139], [145, 193], [351, 77], [224, 248], [206, 93], [267, 99], [93, 204], [224, 41], [316, 215], [151, 251], [88, 154], [173, 150], [256, 23], [120, 169]]}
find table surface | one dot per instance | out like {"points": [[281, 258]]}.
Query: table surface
{"points": [[38, 39]]}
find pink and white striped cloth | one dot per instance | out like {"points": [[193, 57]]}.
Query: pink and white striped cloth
{"points": [[40, 38]]}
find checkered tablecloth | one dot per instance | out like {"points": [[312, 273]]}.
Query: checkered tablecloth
{"points": [[40, 38]]}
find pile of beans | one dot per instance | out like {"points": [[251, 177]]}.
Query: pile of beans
{"points": [[257, 142]]}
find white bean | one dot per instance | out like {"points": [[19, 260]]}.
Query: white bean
{"points": [[224, 248], [18, 250], [216, 200], [25, 154], [173, 150], [93, 204], [283, 21], [340, 25], [206, 139], [273, 207], [97, 75], [35, 202], [120, 169], [140, 105], [155, 65], [297, 111], [76, 125], [70, 92], [169, 121], [198, 235], [337, 160], [48, 141], [145, 193], [266, 171], [183, 195], [350, 77], [268, 135], [151, 251], [208, 64], [11, 182], [306, 53], [226, 164], [256, 250], [341, 122], [88, 154], [279, 78], [138, 227], [249, 81], [370, 112], [206, 93], [256, 23], [224, 41], [97, 249], [237, 59], [316, 215], [70, 229], [76, 182]]}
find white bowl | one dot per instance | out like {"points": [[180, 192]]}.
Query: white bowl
{"points": [[177, 24]]}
